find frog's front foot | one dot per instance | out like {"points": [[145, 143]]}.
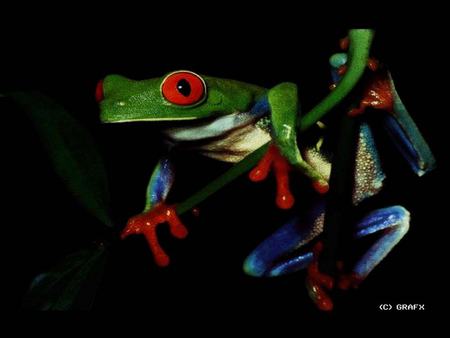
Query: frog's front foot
{"points": [[281, 167], [317, 282], [146, 224]]}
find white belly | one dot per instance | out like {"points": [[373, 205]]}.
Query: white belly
{"points": [[237, 144], [228, 138]]}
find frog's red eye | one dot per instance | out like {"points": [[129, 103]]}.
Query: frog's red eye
{"points": [[183, 88]]}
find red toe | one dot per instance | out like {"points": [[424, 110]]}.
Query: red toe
{"points": [[146, 224]]}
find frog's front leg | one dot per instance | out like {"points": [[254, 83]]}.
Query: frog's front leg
{"points": [[284, 108], [393, 223], [157, 212]]}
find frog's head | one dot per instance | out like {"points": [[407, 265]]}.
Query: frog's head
{"points": [[180, 95]]}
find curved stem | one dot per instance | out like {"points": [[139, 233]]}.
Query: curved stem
{"points": [[360, 42], [234, 172]]}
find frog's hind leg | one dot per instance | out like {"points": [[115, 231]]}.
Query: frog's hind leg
{"points": [[393, 223], [278, 254]]}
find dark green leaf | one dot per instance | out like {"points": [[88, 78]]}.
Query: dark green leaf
{"points": [[71, 284], [72, 151]]}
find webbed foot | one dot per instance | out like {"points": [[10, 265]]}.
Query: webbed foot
{"points": [[146, 224], [317, 282], [281, 167]]}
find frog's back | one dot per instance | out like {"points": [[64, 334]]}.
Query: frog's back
{"points": [[242, 94]]}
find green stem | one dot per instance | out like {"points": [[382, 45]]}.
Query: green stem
{"points": [[234, 172], [360, 42]]}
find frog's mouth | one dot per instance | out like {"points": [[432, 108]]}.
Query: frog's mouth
{"points": [[147, 119], [112, 111]]}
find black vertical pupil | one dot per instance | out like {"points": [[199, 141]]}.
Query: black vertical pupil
{"points": [[184, 87]]}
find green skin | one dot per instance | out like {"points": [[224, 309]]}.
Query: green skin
{"points": [[126, 100], [129, 101]]}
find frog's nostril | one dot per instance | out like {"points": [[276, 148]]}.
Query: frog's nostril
{"points": [[99, 91]]}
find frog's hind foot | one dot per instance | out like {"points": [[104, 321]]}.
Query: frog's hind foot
{"points": [[317, 282]]}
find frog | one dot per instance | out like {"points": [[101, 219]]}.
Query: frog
{"points": [[227, 120], [223, 119]]}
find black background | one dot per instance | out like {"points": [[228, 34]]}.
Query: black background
{"points": [[65, 54]]}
